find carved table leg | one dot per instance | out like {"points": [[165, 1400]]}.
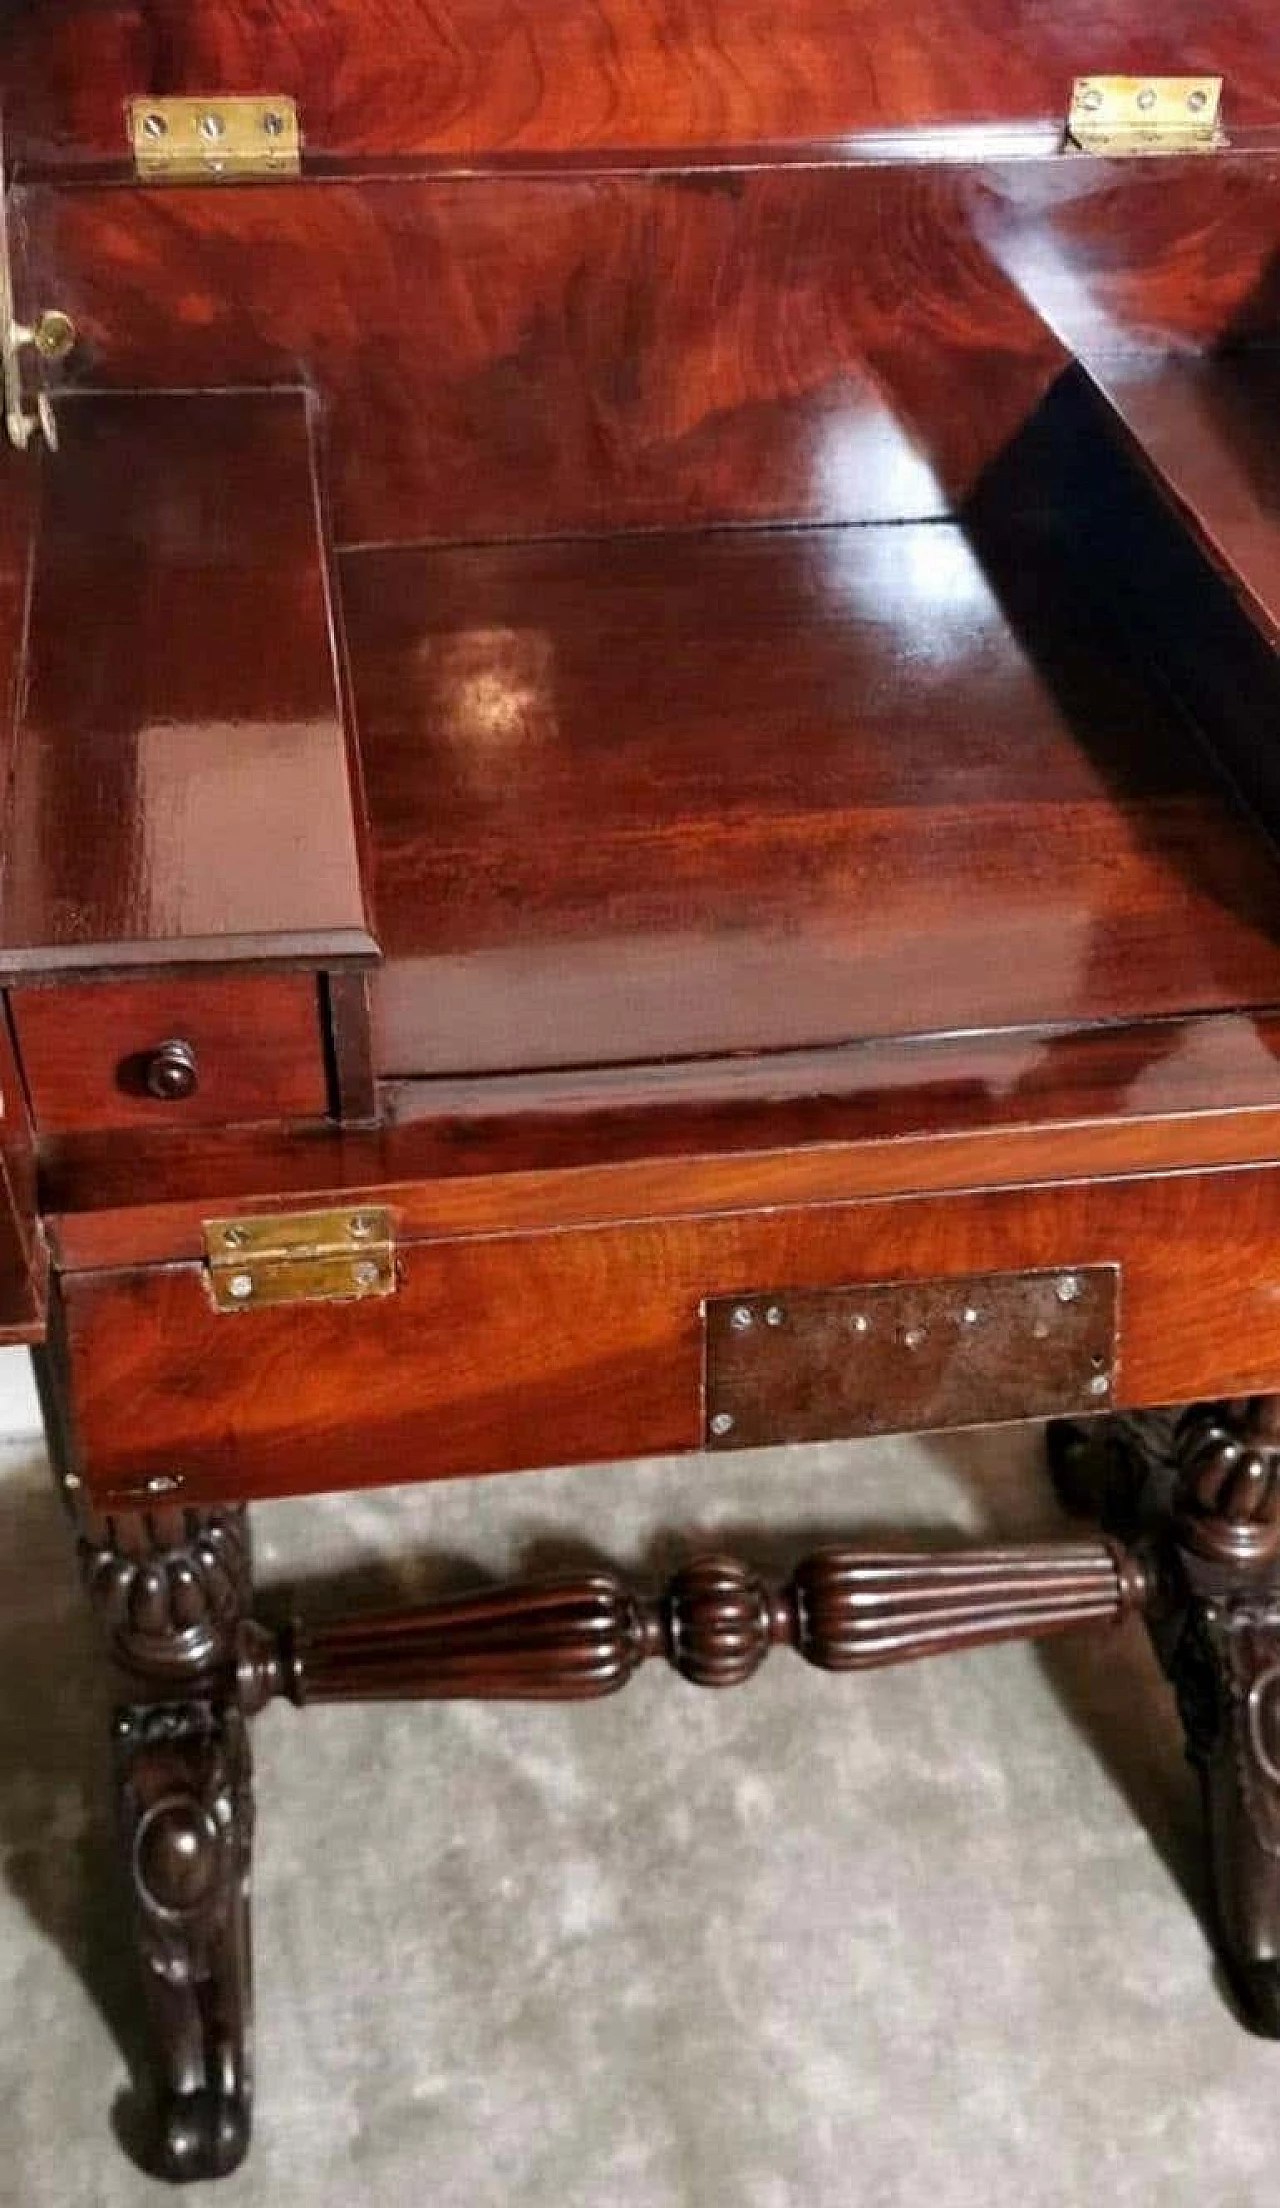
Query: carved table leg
{"points": [[1223, 1656], [173, 1588]]}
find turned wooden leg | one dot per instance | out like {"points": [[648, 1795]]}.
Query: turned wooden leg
{"points": [[172, 1588], [1223, 1655], [1115, 1469]]}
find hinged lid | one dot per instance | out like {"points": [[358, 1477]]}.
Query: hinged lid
{"points": [[494, 79]]}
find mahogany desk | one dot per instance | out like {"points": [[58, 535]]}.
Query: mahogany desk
{"points": [[641, 763]]}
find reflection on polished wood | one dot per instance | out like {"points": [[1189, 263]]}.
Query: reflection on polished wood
{"points": [[186, 798], [828, 343], [768, 791], [1204, 429], [488, 74]]}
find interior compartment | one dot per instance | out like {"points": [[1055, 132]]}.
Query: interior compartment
{"points": [[676, 797]]}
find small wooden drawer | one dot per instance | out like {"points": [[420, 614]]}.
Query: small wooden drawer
{"points": [[186, 1053]]}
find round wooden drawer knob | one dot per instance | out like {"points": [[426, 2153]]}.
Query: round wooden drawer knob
{"points": [[172, 1072]]}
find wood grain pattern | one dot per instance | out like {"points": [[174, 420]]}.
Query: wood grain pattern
{"points": [[525, 355], [1169, 253], [519, 1155], [86, 1048], [653, 799], [473, 75], [180, 790], [583, 1345], [594, 352]]}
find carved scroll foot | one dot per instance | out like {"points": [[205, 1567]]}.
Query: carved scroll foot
{"points": [[186, 1815], [1223, 1656], [172, 1588]]}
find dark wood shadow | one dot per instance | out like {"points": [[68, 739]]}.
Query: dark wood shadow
{"points": [[56, 1830]]}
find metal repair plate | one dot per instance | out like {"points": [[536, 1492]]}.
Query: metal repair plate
{"points": [[908, 1356]]}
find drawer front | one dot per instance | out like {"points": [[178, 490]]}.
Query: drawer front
{"points": [[185, 1053]]}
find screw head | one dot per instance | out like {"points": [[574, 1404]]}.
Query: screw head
{"points": [[1100, 1385], [915, 1337], [240, 1286], [365, 1274], [1091, 98], [722, 1422], [273, 123], [742, 1318], [860, 1323], [71, 1481], [235, 1237], [969, 1316], [775, 1315], [1146, 99], [212, 126], [154, 126], [1068, 1288], [1198, 100], [363, 1226]]}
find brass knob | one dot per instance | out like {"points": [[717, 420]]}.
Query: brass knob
{"points": [[172, 1072], [54, 335]]}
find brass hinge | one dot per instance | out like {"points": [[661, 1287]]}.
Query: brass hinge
{"points": [[216, 139], [1118, 115], [300, 1257]]}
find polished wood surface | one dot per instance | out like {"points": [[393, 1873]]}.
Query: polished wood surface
{"points": [[519, 1350], [1203, 426], [180, 789], [526, 355], [573, 1638], [406, 77], [751, 792], [24, 1250], [18, 495], [535, 1151], [707, 1138], [173, 1590], [89, 1051]]}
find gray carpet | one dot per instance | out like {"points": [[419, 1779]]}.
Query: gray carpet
{"points": [[923, 1936]]}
